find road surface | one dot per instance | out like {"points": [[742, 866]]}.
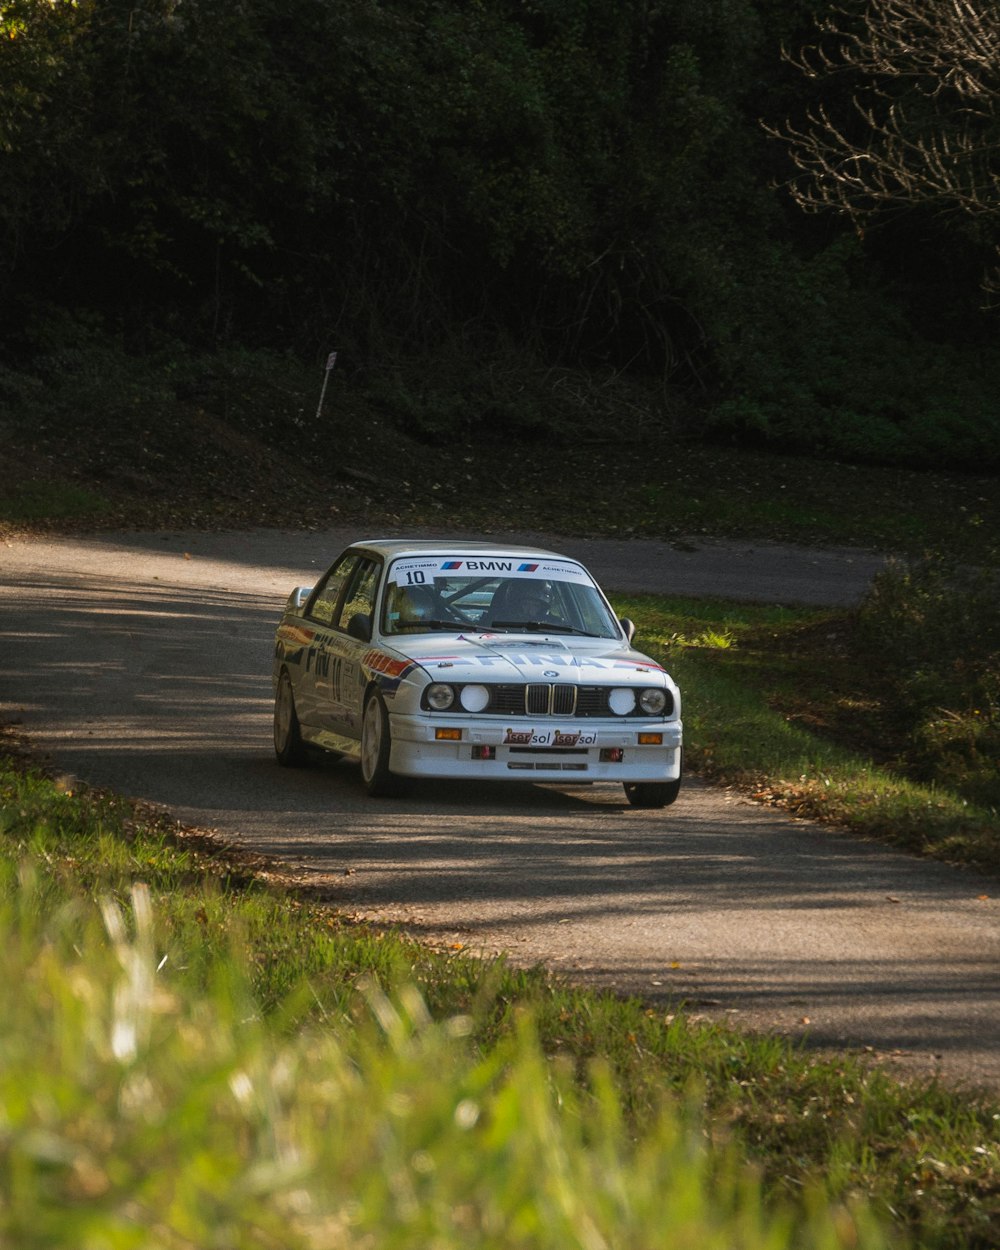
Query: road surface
{"points": [[142, 662]]}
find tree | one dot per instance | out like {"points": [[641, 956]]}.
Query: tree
{"points": [[918, 124]]}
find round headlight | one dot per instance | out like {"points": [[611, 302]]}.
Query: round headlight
{"points": [[474, 698], [621, 701], [440, 697], [653, 701]]}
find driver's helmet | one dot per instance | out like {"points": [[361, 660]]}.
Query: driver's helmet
{"points": [[413, 603], [532, 598]]}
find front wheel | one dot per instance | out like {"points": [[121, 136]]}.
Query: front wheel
{"points": [[652, 793], [376, 743]]}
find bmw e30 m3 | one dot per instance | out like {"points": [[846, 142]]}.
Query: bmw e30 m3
{"points": [[453, 659]]}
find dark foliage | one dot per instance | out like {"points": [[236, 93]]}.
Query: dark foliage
{"points": [[931, 630], [430, 179]]}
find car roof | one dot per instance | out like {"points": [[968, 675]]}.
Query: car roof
{"points": [[392, 548]]}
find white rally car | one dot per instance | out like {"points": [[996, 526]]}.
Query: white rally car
{"points": [[472, 660]]}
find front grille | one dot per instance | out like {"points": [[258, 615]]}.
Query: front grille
{"points": [[537, 700], [509, 699], [592, 701], [564, 700], [550, 700]]}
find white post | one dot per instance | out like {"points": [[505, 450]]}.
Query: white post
{"points": [[331, 360]]}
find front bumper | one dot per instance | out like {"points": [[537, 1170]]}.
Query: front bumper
{"points": [[489, 749]]}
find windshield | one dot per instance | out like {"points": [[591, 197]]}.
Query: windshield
{"points": [[494, 595]]}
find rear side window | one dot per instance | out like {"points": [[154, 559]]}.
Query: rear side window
{"points": [[328, 592], [360, 596]]}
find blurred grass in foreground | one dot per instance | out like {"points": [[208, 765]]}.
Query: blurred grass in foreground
{"points": [[192, 1059]]}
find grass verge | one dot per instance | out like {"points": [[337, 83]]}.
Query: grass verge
{"points": [[176, 439], [51, 502], [775, 703], [195, 1058]]}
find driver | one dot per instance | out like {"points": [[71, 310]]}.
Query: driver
{"points": [[529, 601], [411, 606]]}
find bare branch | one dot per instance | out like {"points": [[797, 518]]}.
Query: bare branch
{"points": [[919, 122]]}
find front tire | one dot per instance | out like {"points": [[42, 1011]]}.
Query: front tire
{"points": [[288, 744], [376, 744], [653, 793]]}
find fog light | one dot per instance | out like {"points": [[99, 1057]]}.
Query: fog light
{"points": [[651, 740], [448, 735], [612, 755]]}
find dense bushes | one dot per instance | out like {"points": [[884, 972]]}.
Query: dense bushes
{"points": [[589, 182], [932, 630], [825, 365], [389, 168]]}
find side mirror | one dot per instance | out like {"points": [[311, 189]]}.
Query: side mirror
{"points": [[628, 626]]}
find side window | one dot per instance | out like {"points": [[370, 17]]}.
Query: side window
{"points": [[324, 601], [360, 599]]}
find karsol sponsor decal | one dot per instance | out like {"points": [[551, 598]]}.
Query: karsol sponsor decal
{"points": [[547, 738]]}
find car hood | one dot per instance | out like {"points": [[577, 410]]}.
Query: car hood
{"points": [[532, 658]]}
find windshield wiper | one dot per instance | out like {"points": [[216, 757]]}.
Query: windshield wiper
{"points": [[546, 627], [454, 627]]}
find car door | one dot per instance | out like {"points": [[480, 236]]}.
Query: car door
{"points": [[314, 689], [350, 643]]}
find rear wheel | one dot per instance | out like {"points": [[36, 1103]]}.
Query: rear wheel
{"points": [[652, 793], [376, 743], [288, 744]]}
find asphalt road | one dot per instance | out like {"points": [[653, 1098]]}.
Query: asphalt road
{"points": [[142, 662]]}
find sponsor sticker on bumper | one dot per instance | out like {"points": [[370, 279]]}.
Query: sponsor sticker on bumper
{"points": [[547, 738]]}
